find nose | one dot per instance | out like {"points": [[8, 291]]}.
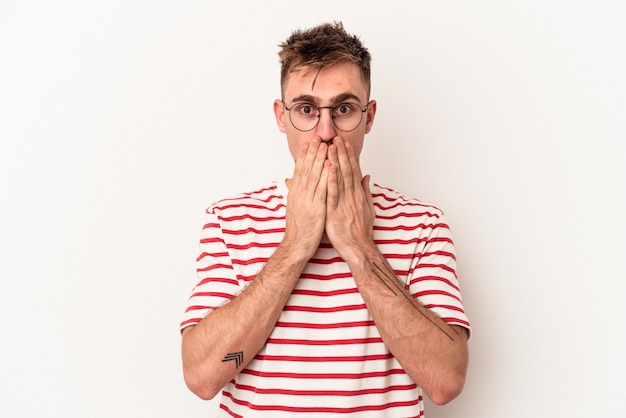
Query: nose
{"points": [[326, 127]]}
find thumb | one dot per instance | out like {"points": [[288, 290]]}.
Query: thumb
{"points": [[365, 183]]}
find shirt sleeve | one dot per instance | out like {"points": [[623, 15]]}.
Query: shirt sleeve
{"points": [[433, 277], [217, 283]]}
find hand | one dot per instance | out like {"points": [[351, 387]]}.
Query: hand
{"points": [[306, 202], [350, 210]]}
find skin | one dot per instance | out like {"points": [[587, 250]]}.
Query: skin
{"points": [[327, 195]]}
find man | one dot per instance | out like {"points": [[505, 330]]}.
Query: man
{"points": [[325, 295]]}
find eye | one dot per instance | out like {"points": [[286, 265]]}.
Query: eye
{"points": [[345, 109], [305, 109]]}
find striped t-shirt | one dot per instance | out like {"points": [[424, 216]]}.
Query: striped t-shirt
{"points": [[325, 356]]}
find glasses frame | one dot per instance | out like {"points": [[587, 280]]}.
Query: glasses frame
{"points": [[319, 114]]}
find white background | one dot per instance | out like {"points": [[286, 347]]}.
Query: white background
{"points": [[120, 121]]}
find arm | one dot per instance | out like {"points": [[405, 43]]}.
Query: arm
{"points": [[239, 329], [432, 352]]}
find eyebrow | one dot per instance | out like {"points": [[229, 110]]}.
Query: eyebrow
{"points": [[333, 100]]}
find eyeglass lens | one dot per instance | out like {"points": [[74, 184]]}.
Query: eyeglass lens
{"points": [[346, 116]]}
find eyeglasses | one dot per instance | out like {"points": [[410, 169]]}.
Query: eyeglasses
{"points": [[305, 116]]}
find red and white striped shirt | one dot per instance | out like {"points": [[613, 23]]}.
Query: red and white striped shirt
{"points": [[325, 357]]}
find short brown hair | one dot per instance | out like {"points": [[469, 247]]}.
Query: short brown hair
{"points": [[322, 46]]}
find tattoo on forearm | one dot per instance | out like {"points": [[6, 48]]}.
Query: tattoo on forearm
{"points": [[383, 280], [237, 357], [388, 278]]}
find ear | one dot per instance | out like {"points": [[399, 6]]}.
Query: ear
{"points": [[371, 112], [279, 112]]}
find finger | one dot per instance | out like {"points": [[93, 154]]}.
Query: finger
{"points": [[345, 165], [354, 165], [332, 152], [309, 166], [333, 157], [321, 193], [332, 194], [299, 169], [318, 163], [365, 184], [307, 156]]}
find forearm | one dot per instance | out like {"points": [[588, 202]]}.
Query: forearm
{"points": [[432, 352], [225, 341]]}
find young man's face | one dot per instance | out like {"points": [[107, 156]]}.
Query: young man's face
{"points": [[337, 84]]}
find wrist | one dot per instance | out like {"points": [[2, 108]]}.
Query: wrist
{"points": [[293, 253], [360, 256]]}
